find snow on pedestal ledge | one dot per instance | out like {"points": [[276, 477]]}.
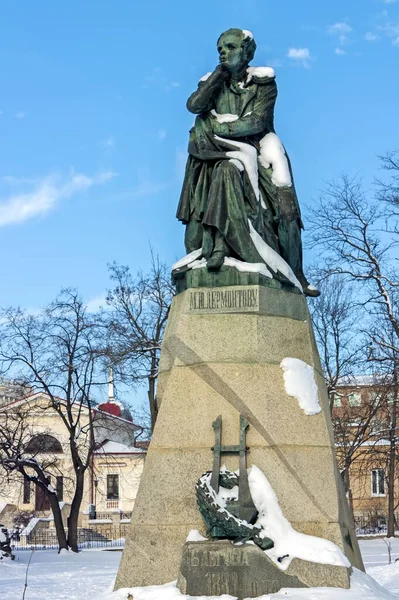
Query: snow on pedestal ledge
{"points": [[187, 260], [299, 382]]}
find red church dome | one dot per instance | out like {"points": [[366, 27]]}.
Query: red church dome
{"points": [[112, 408]]}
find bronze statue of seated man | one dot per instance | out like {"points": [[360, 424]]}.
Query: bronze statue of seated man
{"points": [[238, 197]]}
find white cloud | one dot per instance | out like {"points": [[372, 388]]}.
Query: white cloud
{"points": [[44, 196], [161, 134], [109, 142], [341, 30], [21, 115], [390, 29], [300, 55], [339, 51], [389, 1], [172, 84], [148, 188], [371, 37], [94, 304]]}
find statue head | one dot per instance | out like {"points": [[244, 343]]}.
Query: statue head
{"points": [[236, 49]]}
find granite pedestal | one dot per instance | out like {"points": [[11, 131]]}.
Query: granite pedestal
{"points": [[221, 355]]}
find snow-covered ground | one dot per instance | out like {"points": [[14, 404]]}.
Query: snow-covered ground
{"points": [[375, 553], [90, 575], [54, 576]]}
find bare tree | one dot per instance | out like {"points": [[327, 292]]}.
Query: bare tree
{"points": [[335, 317], [335, 322], [347, 228], [57, 353], [357, 236], [383, 353], [142, 415], [388, 191], [17, 459], [139, 308], [355, 432]]}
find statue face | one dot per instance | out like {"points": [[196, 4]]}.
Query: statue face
{"points": [[231, 54]]}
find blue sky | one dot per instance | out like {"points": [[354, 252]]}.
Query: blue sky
{"points": [[94, 129]]}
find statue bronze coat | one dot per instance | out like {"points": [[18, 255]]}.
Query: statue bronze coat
{"points": [[238, 187]]}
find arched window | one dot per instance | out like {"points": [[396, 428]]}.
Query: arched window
{"points": [[43, 443]]}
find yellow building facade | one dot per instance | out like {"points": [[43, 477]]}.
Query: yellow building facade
{"points": [[111, 480], [363, 410]]}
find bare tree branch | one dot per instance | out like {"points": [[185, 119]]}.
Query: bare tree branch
{"points": [[139, 308], [59, 352]]}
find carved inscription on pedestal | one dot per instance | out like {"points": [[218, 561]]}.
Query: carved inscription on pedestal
{"points": [[216, 568], [245, 299]]}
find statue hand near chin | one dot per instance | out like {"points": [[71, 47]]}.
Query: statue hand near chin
{"points": [[221, 69]]}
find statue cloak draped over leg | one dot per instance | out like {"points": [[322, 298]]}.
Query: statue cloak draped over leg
{"points": [[222, 192], [226, 188]]}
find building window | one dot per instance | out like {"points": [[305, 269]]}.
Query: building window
{"points": [[26, 492], [60, 488], [355, 399], [112, 487], [378, 482], [43, 443], [336, 398]]}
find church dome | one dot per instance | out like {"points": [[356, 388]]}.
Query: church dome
{"points": [[112, 408]]}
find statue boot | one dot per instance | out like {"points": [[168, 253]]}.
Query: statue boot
{"points": [[220, 250]]}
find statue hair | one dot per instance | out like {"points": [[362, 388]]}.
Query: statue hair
{"points": [[247, 43]]}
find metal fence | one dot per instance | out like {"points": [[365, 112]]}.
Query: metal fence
{"points": [[46, 539], [373, 524], [109, 515]]}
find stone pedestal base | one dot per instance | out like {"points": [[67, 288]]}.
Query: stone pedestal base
{"points": [[215, 568], [221, 355]]}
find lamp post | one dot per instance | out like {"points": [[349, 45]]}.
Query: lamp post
{"points": [[95, 496], [392, 450]]}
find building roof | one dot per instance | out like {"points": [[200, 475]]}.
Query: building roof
{"points": [[362, 380], [11, 391], [97, 410], [109, 447], [144, 444]]}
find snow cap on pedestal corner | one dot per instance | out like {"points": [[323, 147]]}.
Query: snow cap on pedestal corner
{"points": [[299, 382]]}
